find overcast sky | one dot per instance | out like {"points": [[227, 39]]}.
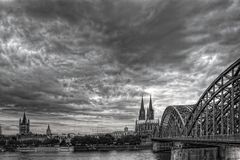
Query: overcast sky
{"points": [[82, 65]]}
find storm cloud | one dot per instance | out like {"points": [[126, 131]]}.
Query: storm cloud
{"points": [[87, 63]]}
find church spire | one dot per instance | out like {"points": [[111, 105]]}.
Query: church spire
{"points": [[142, 104], [24, 125], [150, 103], [48, 132], [150, 111], [142, 111], [24, 121]]}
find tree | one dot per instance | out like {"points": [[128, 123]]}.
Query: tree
{"points": [[63, 143]]}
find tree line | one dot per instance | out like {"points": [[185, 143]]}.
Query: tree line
{"points": [[106, 139]]}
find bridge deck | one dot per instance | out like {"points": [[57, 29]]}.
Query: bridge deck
{"points": [[202, 140]]}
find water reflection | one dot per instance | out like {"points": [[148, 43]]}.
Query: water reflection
{"points": [[195, 154], [216, 153], [163, 156], [113, 155], [223, 153]]}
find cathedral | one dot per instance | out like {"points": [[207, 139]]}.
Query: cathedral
{"points": [[146, 123], [24, 125]]}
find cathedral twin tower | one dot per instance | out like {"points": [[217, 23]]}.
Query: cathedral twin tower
{"points": [[145, 126], [150, 111]]}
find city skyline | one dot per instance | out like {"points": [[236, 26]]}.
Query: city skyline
{"points": [[79, 65], [94, 130]]}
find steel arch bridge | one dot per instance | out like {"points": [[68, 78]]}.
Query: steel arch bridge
{"points": [[174, 120], [217, 111]]}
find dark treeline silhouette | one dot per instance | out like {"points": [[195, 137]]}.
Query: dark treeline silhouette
{"points": [[13, 142], [106, 140]]}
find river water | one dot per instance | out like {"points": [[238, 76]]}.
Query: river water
{"points": [[113, 155], [214, 153], [232, 153]]}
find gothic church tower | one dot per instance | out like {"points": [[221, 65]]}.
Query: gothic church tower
{"points": [[24, 125], [142, 111], [150, 111]]}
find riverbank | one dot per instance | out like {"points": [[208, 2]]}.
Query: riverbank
{"points": [[77, 148], [84, 148], [44, 149]]}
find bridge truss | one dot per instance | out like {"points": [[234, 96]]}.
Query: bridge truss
{"points": [[217, 111], [174, 119]]}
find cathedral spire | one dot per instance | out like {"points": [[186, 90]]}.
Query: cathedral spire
{"points": [[150, 103], [142, 111], [142, 104], [150, 111]]}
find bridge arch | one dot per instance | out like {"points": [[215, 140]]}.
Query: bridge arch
{"points": [[217, 111], [173, 120]]}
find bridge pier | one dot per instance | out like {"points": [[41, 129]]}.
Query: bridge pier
{"points": [[224, 152], [176, 151], [228, 152], [156, 146], [161, 146]]}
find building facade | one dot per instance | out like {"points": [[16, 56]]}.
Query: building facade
{"points": [[24, 125], [120, 134], [28, 137], [145, 126]]}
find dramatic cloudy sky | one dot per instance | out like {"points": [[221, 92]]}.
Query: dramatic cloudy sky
{"points": [[82, 65]]}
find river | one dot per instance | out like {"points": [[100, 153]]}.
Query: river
{"points": [[113, 155], [232, 153]]}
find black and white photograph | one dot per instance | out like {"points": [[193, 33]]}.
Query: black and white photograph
{"points": [[119, 79]]}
